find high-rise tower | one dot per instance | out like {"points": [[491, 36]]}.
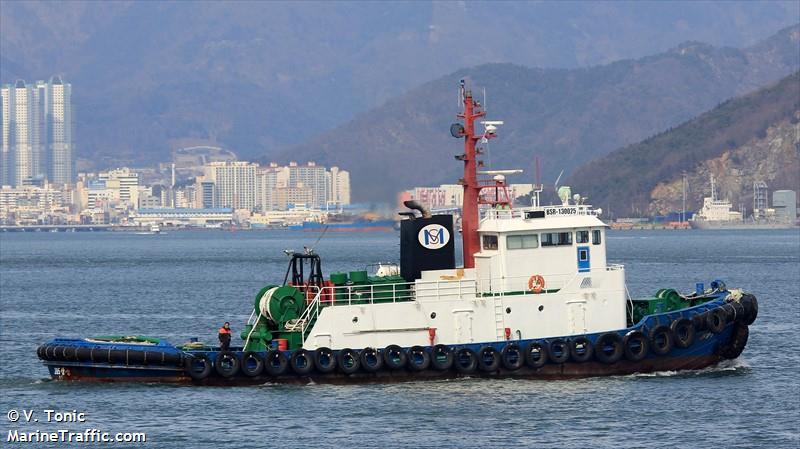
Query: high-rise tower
{"points": [[36, 133], [59, 132]]}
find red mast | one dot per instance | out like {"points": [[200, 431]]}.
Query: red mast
{"points": [[469, 212]]}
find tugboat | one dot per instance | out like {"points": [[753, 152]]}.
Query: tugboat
{"points": [[535, 298]]}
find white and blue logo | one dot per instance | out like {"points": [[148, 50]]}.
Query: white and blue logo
{"points": [[433, 236]]}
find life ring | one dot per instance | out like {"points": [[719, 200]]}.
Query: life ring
{"points": [[275, 363], [661, 340], [441, 357], [394, 357], [371, 360], [324, 360], [580, 349], [348, 361], [536, 355], [190, 366], [609, 348], [418, 358], [512, 357], [683, 330], [226, 364], [251, 364], [636, 345], [466, 361], [536, 283], [488, 359]]}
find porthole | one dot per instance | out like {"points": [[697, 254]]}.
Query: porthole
{"points": [[433, 315], [508, 309], [541, 308], [355, 319]]}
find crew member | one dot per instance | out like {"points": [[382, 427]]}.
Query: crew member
{"points": [[225, 336]]}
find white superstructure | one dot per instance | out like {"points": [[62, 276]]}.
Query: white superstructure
{"points": [[500, 299]]}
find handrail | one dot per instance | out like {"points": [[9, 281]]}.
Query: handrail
{"points": [[306, 315], [505, 214], [361, 294]]}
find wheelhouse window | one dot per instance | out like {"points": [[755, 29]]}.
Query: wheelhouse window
{"points": [[490, 242], [596, 237], [582, 237], [526, 241], [556, 239]]}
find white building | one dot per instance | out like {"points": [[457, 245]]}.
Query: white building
{"points": [[338, 187], [59, 120], [310, 176], [452, 195], [122, 184], [36, 136], [234, 184]]}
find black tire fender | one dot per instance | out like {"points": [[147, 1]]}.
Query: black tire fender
{"points": [[636, 345], [276, 363], [751, 307], [348, 361], [683, 331], [558, 351], [189, 366], [661, 340], [488, 359], [418, 358], [512, 357], [325, 360], [610, 340], [715, 320], [737, 342], [226, 364], [442, 357], [302, 362], [536, 354], [580, 349], [251, 364], [118, 356], [465, 361], [371, 360], [699, 322], [394, 357]]}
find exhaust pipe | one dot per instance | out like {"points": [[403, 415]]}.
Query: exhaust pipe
{"points": [[416, 205]]}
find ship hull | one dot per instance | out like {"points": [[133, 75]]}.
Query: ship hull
{"points": [[707, 349], [358, 226], [569, 370], [733, 225]]}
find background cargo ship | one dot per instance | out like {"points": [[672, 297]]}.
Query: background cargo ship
{"points": [[346, 223], [719, 214]]}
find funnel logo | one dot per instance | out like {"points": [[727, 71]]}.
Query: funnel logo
{"points": [[433, 236]]}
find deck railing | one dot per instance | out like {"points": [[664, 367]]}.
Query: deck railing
{"points": [[349, 295], [555, 211]]}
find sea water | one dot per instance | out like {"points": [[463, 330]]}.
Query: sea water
{"points": [[185, 284]]}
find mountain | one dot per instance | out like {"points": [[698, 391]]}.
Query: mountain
{"points": [[755, 137], [566, 117], [256, 77]]}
